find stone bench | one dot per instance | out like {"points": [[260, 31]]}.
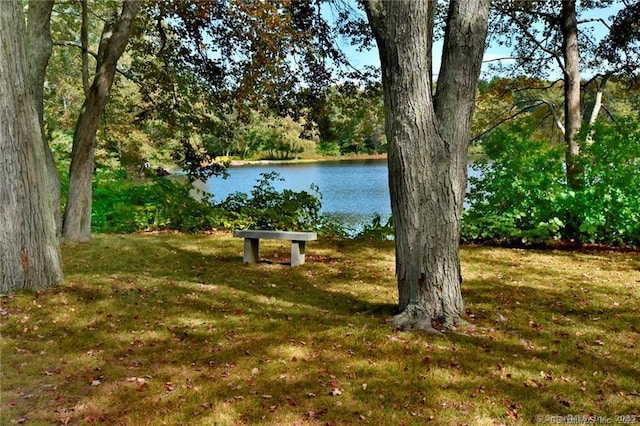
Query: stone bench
{"points": [[252, 239]]}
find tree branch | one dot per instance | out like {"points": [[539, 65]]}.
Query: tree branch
{"points": [[538, 102], [506, 58], [504, 120], [537, 88], [120, 71], [602, 21], [609, 113], [556, 119], [537, 42]]}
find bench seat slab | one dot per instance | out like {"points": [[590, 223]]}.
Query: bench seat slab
{"points": [[275, 235]]}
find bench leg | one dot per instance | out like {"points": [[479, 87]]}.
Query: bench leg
{"points": [[251, 246], [297, 253]]}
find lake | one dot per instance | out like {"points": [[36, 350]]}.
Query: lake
{"points": [[352, 191]]}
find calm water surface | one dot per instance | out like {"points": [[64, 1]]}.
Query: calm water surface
{"points": [[352, 191]]}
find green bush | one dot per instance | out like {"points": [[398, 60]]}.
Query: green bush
{"points": [[376, 229], [121, 205], [517, 196], [608, 209], [269, 209], [522, 196]]}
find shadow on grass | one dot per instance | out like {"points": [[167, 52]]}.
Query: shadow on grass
{"points": [[306, 285], [207, 339]]}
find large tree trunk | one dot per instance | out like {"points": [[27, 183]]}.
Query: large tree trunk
{"points": [[572, 115], [428, 143], [30, 253], [77, 218], [40, 45]]}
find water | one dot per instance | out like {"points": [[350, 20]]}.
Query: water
{"points": [[352, 191]]}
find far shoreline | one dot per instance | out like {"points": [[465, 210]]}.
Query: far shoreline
{"points": [[472, 157], [375, 157]]}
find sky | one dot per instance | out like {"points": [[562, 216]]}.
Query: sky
{"points": [[360, 59]]}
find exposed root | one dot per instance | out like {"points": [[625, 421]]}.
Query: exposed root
{"points": [[416, 318], [460, 325], [413, 319]]}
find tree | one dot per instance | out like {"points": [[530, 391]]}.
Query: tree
{"points": [[549, 35], [428, 137], [230, 59], [621, 47], [30, 256], [77, 218], [571, 74], [40, 45]]}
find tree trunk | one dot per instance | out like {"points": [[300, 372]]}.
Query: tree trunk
{"points": [[40, 45], [30, 255], [428, 142], [77, 219], [601, 83], [597, 105], [572, 116]]}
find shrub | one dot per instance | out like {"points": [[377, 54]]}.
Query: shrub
{"points": [[269, 209], [608, 208], [121, 205], [523, 197], [517, 196], [376, 229]]}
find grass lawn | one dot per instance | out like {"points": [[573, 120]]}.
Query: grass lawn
{"points": [[174, 329]]}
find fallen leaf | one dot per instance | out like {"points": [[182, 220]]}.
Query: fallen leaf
{"points": [[563, 401], [138, 380], [315, 414]]}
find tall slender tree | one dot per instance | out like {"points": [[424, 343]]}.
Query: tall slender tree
{"points": [[115, 35], [571, 73], [30, 255], [428, 136], [40, 45]]}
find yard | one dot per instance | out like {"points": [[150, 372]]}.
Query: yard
{"points": [[174, 329]]}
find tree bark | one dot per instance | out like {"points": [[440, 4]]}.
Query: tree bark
{"points": [[30, 255], [115, 35], [40, 45], [84, 42], [571, 70], [428, 142], [601, 83]]}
